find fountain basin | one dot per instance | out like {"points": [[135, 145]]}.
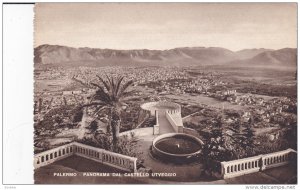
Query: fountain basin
{"points": [[178, 148]]}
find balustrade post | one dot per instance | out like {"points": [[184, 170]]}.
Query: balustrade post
{"points": [[223, 169], [74, 149], [262, 163], [36, 162], [100, 155], [134, 166]]}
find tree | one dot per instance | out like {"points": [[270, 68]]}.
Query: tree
{"points": [[236, 138], [248, 142], [77, 114], [111, 94], [93, 126], [65, 101], [126, 145], [291, 135], [242, 138], [215, 149]]}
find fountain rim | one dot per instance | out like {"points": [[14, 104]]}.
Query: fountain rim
{"points": [[160, 137]]}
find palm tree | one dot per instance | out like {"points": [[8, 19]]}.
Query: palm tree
{"points": [[110, 94]]}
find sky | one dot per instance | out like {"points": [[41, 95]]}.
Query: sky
{"points": [[234, 26]]}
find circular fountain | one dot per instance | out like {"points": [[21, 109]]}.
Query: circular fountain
{"points": [[178, 148]]}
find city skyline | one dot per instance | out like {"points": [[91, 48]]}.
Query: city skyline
{"points": [[167, 25]]}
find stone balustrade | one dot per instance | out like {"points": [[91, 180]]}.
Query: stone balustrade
{"points": [[112, 159], [240, 167], [256, 163], [277, 158], [50, 156], [168, 106], [171, 110], [176, 111], [149, 106], [172, 122], [175, 120]]}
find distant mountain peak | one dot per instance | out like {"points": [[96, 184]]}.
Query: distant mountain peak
{"points": [[63, 55]]}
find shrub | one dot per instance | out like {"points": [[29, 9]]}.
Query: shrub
{"points": [[125, 145]]}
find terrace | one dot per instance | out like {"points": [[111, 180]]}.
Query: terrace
{"points": [[80, 165], [95, 160]]}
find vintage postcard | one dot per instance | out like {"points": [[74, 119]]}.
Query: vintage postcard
{"points": [[165, 93]]}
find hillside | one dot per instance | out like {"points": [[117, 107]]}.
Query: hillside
{"points": [[286, 57], [62, 55], [250, 53]]}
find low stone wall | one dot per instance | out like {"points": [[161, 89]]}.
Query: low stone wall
{"points": [[253, 164], [174, 117], [112, 159], [138, 132], [152, 106], [171, 110], [277, 158], [190, 131], [55, 154], [171, 105], [172, 121]]}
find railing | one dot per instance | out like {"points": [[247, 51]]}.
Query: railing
{"points": [[151, 106], [156, 126], [112, 159], [256, 163], [277, 158], [50, 156], [172, 121], [116, 160], [173, 111], [240, 167]]}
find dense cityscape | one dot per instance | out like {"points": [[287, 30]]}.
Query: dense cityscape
{"points": [[203, 94]]}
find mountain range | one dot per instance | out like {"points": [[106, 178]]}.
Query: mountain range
{"points": [[185, 56]]}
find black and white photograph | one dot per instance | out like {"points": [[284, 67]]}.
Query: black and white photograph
{"points": [[165, 93]]}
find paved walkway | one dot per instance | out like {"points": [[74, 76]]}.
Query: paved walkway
{"points": [[164, 124]]}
